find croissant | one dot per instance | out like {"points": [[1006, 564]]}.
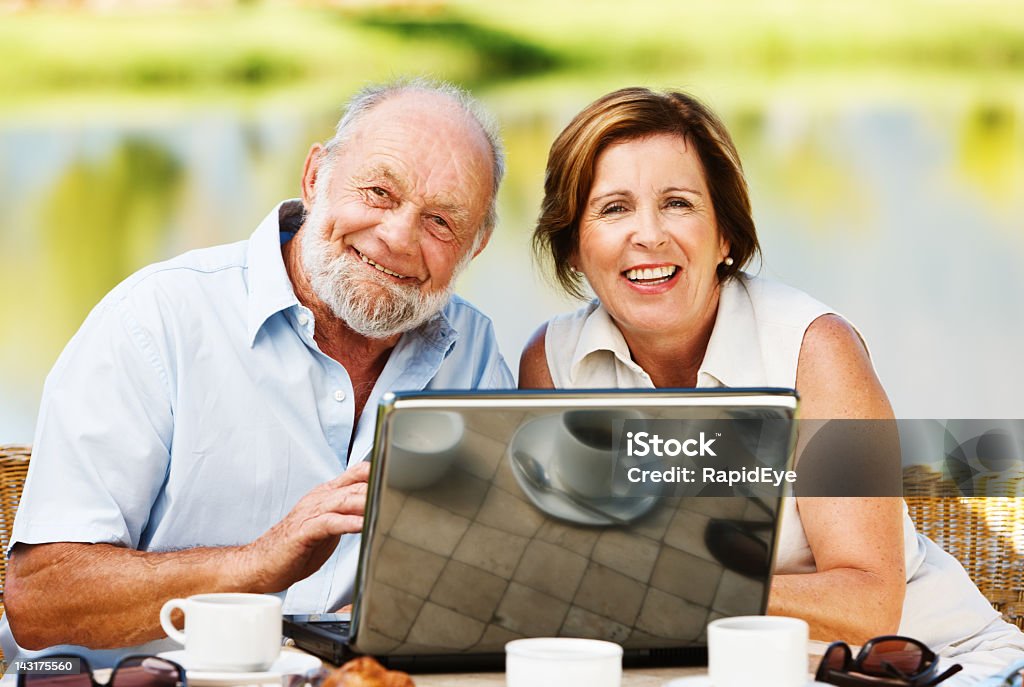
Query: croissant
{"points": [[366, 672]]}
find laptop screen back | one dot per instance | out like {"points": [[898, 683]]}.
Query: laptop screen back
{"points": [[504, 515]]}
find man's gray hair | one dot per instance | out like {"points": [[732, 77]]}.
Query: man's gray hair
{"points": [[370, 96]]}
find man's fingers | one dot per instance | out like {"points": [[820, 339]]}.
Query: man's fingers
{"points": [[332, 524], [360, 472], [349, 501], [344, 500]]}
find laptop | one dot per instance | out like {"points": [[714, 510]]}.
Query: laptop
{"points": [[635, 516]]}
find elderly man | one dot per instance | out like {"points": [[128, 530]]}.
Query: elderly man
{"points": [[206, 429]]}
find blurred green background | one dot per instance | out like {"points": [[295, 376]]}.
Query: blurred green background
{"points": [[883, 145]]}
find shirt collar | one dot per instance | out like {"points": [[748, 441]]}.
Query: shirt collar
{"points": [[600, 333], [733, 355], [270, 289], [438, 332]]}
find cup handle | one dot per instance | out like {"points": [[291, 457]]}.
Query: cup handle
{"points": [[165, 620]]}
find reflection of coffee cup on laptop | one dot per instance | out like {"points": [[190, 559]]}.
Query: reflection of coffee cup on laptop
{"points": [[757, 649], [238, 632], [587, 449], [422, 448]]}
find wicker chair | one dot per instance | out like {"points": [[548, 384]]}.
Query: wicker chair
{"points": [[13, 469], [985, 533]]}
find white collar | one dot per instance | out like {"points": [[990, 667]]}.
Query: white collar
{"points": [[733, 355]]}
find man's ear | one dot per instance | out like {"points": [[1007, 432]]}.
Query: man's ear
{"points": [[309, 174], [483, 244]]}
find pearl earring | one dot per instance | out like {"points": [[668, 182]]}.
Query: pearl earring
{"points": [[728, 261]]}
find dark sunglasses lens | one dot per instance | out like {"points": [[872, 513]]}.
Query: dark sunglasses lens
{"points": [[906, 657], [72, 680], [835, 658], [145, 671]]}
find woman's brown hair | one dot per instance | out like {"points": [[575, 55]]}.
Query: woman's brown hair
{"points": [[626, 114]]}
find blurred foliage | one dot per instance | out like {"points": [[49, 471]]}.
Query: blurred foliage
{"points": [[989, 147], [252, 44], [101, 219], [190, 49], [132, 133], [499, 54]]}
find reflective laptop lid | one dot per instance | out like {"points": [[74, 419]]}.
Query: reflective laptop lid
{"points": [[500, 515]]}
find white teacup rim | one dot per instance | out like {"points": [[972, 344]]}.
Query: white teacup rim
{"points": [[563, 648], [753, 623], [235, 599]]}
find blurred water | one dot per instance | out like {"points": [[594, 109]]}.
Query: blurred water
{"points": [[905, 215]]}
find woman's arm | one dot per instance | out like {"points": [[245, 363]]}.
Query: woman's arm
{"points": [[533, 364], [858, 589]]}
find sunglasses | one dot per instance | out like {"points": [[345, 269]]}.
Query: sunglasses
{"points": [[130, 671], [883, 661]]}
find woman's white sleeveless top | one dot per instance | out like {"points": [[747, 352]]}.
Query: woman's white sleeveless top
{"points": [[756, 342]]}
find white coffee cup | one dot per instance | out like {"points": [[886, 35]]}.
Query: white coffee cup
{"points": [[226, 631], [766, 650], [562, 661], [586, 449], [423, 448]]}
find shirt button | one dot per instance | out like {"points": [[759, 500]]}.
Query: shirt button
{"points": [[303, 319], [339, 395]]}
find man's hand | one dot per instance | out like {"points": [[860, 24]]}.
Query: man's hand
{"points": [[298, 545], [103, 596]]}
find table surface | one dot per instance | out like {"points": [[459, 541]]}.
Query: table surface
{"points": [[631, 677]]}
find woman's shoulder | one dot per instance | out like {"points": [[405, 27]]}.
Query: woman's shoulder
{"points": [[777, 302], [774, 320], [548, 354], [822, 327], [777, 305], [560, 333], [533, 363]]}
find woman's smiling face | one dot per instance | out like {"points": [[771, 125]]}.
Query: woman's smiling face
{"points": [[648, 241]]}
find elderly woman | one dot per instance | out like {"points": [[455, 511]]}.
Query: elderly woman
{"points": [[646, 202]]}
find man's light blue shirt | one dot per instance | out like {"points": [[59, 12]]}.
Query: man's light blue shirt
{"points": [[194, 408]]}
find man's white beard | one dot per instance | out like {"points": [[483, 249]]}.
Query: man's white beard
{"points": [[370, 303]]}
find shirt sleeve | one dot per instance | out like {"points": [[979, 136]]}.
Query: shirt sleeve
{"points": [[494, 372], [102, 443], [498, 375], [474, 361]]}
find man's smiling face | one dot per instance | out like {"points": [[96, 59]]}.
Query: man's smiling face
{"points": [[398, 214]]}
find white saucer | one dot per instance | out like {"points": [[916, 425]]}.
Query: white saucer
{"points": [[538, 438], [288, 663], [705, 681]]}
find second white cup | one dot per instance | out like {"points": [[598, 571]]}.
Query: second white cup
{"points": [[562, 661], [766, 650], [227, 632]]}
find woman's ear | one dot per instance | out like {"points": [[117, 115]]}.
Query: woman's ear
{"points": [[574, 262], [723, 249]]}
